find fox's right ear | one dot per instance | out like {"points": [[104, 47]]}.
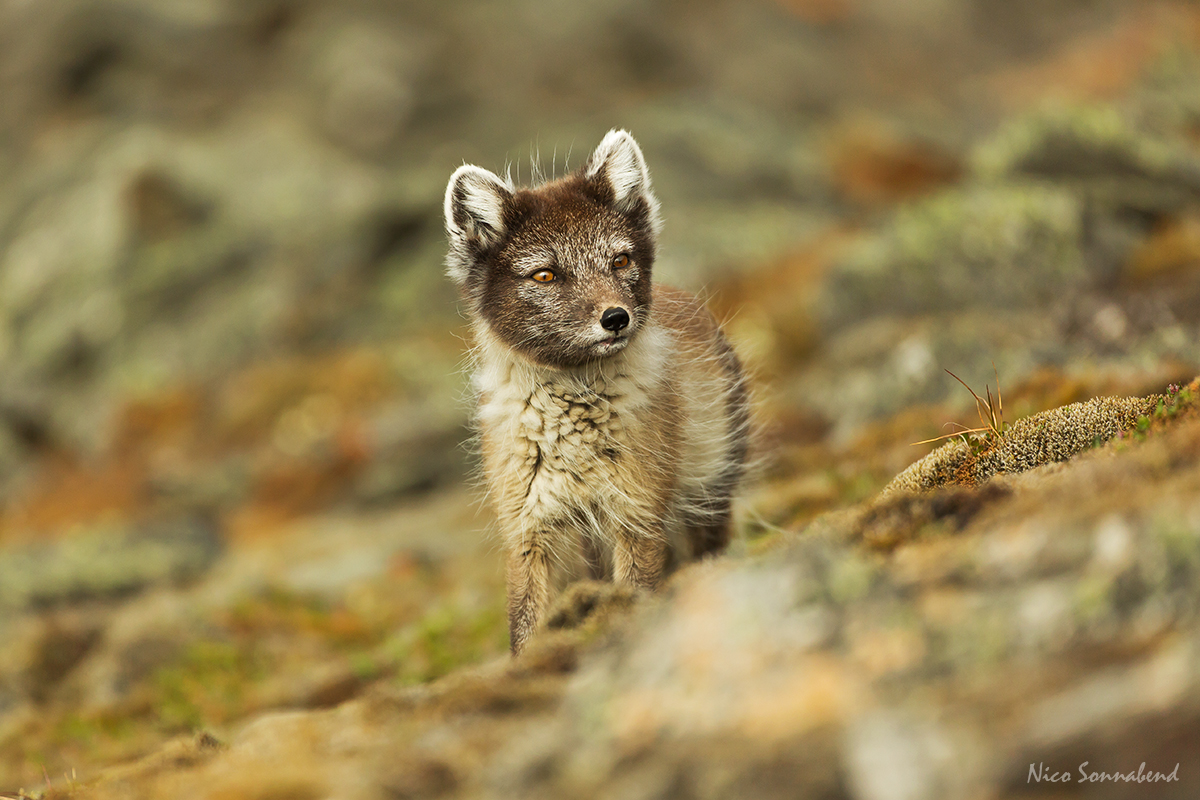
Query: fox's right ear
{"points": [[475, 203]]}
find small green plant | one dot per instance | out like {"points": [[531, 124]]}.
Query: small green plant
{"points": [[66, 791], [1173, 403], [991, 415]]}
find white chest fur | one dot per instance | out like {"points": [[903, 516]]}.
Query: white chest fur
{"points": [[576, 429], [562, 442]]}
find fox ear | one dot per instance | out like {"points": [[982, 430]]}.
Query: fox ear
{"points": [[618, 164], [475, 202]]}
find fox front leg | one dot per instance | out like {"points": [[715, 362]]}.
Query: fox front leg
{"points": [[528, 590], [640, 560]]}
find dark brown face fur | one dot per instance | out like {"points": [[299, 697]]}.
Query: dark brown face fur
{"points": [[570, 228]]}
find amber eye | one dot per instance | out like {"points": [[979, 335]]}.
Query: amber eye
{"points": [[621, 261], [543, 276]]}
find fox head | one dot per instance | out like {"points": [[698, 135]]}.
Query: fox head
{"points": [[560, 272]]}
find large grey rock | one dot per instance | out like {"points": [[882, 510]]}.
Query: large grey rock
{"points": [[1003, 246], [106, 562]]}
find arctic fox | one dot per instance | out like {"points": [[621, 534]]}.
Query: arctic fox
{"points": [[613, 413]]}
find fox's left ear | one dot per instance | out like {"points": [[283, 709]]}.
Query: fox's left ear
{"points": [[621, 170]]}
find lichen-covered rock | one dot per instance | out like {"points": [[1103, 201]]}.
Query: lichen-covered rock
{"points": [[1038, 258], [1128, 174], [105, 562], [364, 79], [1005, 246], [1095, 149]]}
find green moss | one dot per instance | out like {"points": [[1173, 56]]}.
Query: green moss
{"points": [[86, 732], [850, 578], [446, 637], [76, 730], [1045, 438], [978, 643], [1175, 403], [1181, 547], [209, 684], [1092, 598], [278, 610], [364, 667]]}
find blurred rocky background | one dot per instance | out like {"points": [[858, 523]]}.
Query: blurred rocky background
{"points": [[240, 551]]}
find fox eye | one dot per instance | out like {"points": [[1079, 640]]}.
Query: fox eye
{"points": [[543, 276], [622, 260]]}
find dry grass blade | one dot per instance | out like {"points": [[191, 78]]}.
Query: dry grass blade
{"points": [[965, 431], [991, 412], [999, 397], [980, 405]]}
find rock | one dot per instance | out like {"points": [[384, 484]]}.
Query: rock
{"points": [[1098, 153], [1010, 246], [897, 755], [1127, 176], [365, 77], [180, 61], [416, 448], [65, 641], [106, 563], [1039, 258], [181, 753]]}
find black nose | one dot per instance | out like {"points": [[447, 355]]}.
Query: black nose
{"points": [[614, 319]]}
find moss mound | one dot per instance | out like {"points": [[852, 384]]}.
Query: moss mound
{"points": [[1054, 435]]}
